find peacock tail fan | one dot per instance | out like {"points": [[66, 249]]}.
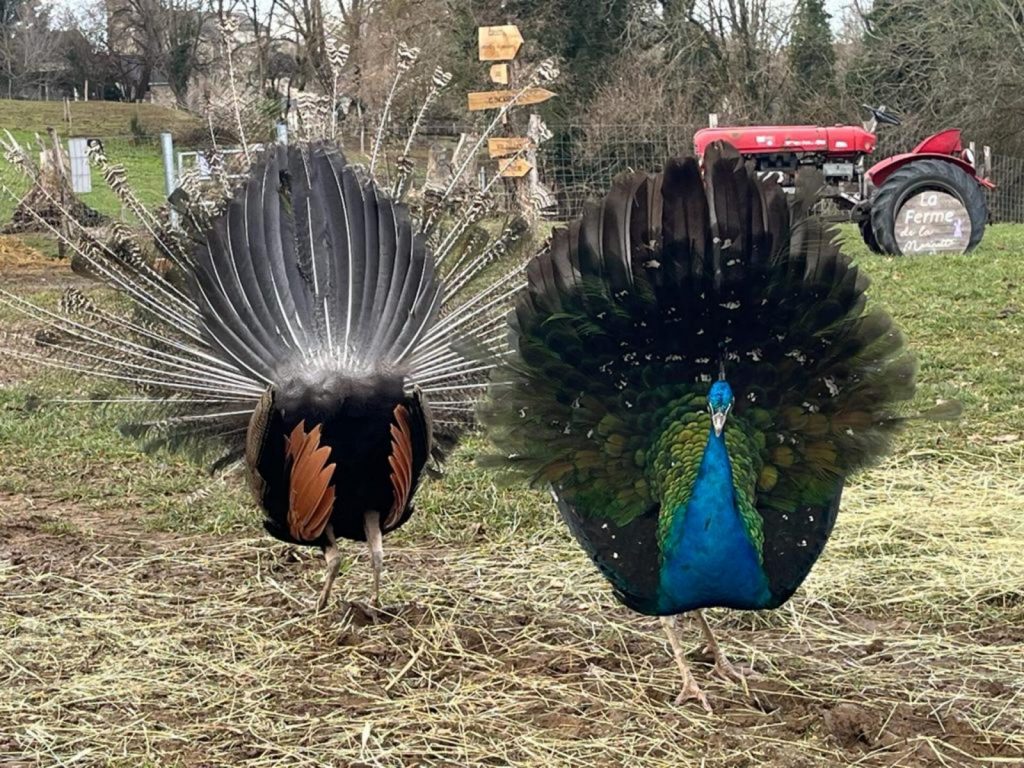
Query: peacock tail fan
{"points": [[670, 283], [309, 269]]}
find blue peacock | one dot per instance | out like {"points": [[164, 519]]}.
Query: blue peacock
{"points": [[695, 372]]}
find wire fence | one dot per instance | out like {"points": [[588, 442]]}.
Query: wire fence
{"points": [[579, 162], [1006, 201]]}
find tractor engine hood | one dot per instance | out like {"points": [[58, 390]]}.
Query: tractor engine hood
{"points": [[841, 141]]}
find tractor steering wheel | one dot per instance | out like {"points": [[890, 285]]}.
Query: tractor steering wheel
{"points": [[882, 115]]}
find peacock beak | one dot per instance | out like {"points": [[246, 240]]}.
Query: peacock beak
{"points": [[718, 421]]}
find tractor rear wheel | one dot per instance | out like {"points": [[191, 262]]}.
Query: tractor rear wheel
{"points": [[906, 185], [868, 234]]}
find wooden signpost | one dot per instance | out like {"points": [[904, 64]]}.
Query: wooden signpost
{"points": [[503, 147], [516, 155], [514, 168], [499, 43], [499, 74], [497, 99]]}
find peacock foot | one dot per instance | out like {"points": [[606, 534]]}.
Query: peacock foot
{"points": [[332, 557], [692, 692], [730, 673], [723, 669], [363, 613]]}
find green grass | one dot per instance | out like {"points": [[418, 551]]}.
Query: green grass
{"points": [[143, 163], [136, 586], [110, 121], [103, 119], [964, 318]]}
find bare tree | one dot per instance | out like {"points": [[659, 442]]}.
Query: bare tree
{"points": [[907, 62], [262, 17], [150, 35], [88, 65], [699, 56], [305, 20], [29, 48]]}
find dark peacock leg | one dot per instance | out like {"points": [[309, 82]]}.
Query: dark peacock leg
{"points": [[723, 667], [690, 688], [333, 557], [375, 540]]}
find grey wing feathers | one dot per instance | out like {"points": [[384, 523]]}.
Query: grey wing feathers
{"points": [[308, 268], [311, 264]]}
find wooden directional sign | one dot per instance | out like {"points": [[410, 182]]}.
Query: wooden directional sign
{"points": [[514, 169], [498, 99], [499, 43], [503, 147], [499, 74]]}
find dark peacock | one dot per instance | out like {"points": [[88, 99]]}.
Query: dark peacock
{"points": [[307, 326], [696, 372]]}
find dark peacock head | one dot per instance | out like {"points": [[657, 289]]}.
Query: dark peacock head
{"points": [[719, 404]]}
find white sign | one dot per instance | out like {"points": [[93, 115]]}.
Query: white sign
{"points": [[932, 222], [81, 175]]}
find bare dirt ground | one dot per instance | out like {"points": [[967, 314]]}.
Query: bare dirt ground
{"points": [[143, 626]]}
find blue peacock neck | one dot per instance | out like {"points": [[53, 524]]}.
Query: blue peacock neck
{"points": [[708, 559]]}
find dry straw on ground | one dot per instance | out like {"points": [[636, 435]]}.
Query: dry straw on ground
{"points": [[125, 647]]}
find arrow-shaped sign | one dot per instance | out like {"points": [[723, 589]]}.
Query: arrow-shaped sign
{"points": [[514, 169], [498, 99], [499, 74], [503, 147], [499, 43]]}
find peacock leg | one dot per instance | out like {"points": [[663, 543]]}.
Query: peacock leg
{"points": [[690, 688], [724, 669], [333, 557], [375, 540]]}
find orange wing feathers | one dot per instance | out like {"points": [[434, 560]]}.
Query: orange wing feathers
{"points": [[311, 494], [401, 464]]}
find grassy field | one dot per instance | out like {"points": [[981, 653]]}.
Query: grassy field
{"points": [[146, 619], [28, 121], [92, 118]]}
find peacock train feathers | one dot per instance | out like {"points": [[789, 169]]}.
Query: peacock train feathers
{"points": [[696, 372], [306, 323]]}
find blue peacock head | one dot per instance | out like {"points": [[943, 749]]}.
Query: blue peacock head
{"points": [[720, 401]]}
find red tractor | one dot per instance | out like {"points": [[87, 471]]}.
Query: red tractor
{"points": [[926, 200]]}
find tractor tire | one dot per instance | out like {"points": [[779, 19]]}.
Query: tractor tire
{"points": [[868, 234], [920, 176]]}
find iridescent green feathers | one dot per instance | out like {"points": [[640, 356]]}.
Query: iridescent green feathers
{"points": [[633, 311]]}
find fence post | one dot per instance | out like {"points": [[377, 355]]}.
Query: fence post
{"points": [[170, 184], [62, 183]]}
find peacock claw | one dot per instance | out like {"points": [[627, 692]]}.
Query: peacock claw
{"points": [[366, 613], [692, 692], [723, 669], [730, 673]]}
